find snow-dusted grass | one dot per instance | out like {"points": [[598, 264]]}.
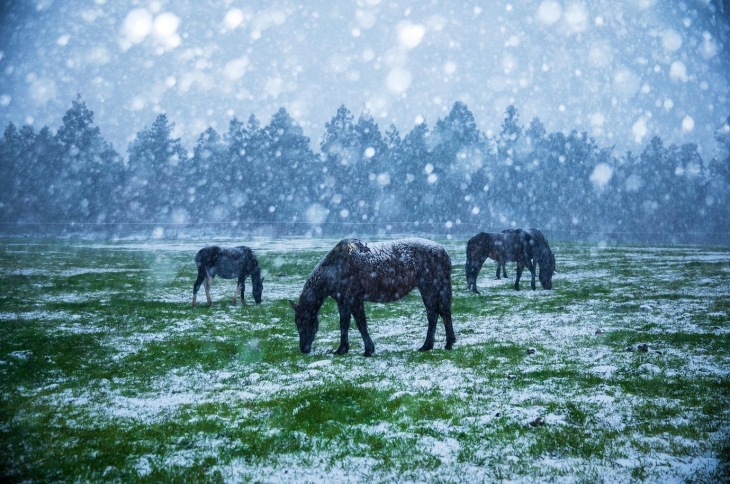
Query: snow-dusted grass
{"points": [[108, 374]]}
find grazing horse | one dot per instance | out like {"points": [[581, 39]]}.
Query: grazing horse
{"points": [[354, 272], [513, 245], [228, 263]]}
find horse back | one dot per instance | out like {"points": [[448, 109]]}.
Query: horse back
{"points": [[228, 263], [513, 245], [388, 271]]}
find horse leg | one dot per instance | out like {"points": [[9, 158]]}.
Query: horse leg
{"points": [[198, 282], [345, 315], [531, 266], [519, 274], [430, 298], [208, 282], [241, 288], [432, 316], [235, 294], [358, 310], [445, 312], [498, 267]]}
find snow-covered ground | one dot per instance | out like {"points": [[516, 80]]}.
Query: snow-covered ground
{"points": [[516, 403]]}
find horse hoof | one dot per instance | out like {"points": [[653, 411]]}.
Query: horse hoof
{"points": [[342, 351], [425, 348]]}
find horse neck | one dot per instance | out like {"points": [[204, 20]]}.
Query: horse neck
{"points": [[481, 248], [543, 256], [315, 291], [256, 275]]}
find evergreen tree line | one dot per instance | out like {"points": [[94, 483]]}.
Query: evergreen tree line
{"points": [[448, 178]]}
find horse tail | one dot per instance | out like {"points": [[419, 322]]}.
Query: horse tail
{"points": [[445, 291]]}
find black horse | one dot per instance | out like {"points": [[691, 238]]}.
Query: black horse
{"points": [[526, 248], [228, 263], [353, 273]]}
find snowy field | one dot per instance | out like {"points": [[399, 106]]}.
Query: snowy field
{"points": [[619, 374]]}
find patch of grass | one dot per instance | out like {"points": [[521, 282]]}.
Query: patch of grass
{"points": [[325, 411], [108, 374], [179, 352]]}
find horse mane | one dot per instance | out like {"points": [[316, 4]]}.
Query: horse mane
{"points": [[341, 250], [349, 246]]}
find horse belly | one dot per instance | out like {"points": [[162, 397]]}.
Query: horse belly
{"points": [[227, 268], [387, 287]]}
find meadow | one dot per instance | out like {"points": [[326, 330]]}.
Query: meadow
{"points": [[621, 373]]}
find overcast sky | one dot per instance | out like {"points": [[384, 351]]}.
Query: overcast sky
{"points": [[623, 71]]}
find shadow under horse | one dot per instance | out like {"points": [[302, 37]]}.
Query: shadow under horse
{"points": [[228, 263], [354, 272], [527, 248]]}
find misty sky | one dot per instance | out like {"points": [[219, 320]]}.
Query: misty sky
{"points": [[621, 70]]}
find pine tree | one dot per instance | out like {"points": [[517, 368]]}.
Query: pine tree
{"points": [[252, 150], [392, 180], [90, 171], [46, 155], [719, 181], [417, 196], [290, 170], [156, 190], [370, 171], [342, 181], [207, 179], [457, 157], [721, 166], [11, 148]]}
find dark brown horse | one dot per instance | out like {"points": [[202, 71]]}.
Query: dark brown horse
{"points": [[354, 272], [228, 263], [526, 248]]}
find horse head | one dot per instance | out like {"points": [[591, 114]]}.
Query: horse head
{"points": [[544, 257], [258, 286], [547, 270], [472, 269], [307, 324]]}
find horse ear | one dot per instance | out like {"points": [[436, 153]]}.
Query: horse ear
{"points": [[293, 305]]}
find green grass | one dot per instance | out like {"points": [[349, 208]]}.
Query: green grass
{"points": [[108, 374]]}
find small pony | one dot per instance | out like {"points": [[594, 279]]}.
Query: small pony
{"points": [[228, 263], [354, 272]]}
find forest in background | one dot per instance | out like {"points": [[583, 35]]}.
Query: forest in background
{"points": [[449, 179]]}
